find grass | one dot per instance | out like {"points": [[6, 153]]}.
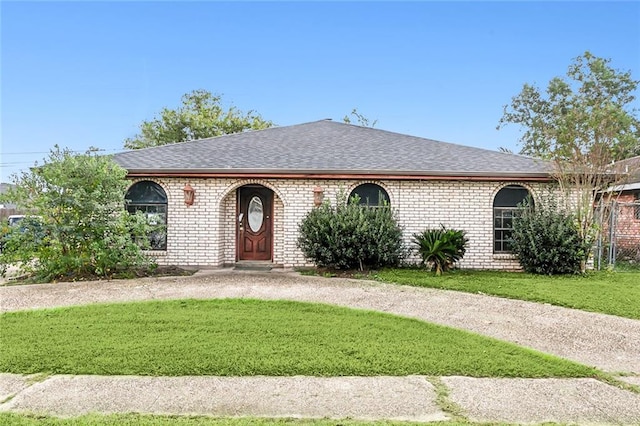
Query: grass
{"points": [[616, 293], [239, 337], [453, 410], [156, 420]]}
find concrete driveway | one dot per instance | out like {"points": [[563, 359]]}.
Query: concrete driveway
{"points": [[607, 342]]}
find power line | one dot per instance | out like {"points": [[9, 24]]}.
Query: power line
{"points": [[15, 163], [47, 152]]}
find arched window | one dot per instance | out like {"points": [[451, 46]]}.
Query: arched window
{"points": [[371, 195], [149, 198], [507, 205]]}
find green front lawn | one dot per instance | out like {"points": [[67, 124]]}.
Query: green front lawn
{"points": [[237, 337], [609, 293]]}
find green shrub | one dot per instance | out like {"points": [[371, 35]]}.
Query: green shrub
{"points": [[441, 248], [350, 236], [546, 240], [82, 229]]}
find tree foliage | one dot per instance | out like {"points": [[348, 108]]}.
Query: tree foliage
{"points": [[201, 115], [359, 118], [589, 115], [77, 201], [580, 124], [350, 235]]}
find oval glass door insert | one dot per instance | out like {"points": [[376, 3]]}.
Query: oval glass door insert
{"points": [[256, 215]]}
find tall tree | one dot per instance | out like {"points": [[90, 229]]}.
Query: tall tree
{"points": [[580, 124], [201, 115]]}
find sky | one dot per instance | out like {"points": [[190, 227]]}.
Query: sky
{"points": [[86, 74]]}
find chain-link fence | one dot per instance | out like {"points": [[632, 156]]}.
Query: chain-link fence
{"points": [[619, 242]]}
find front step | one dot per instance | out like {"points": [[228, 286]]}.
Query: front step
{"points": [[253, 265]]}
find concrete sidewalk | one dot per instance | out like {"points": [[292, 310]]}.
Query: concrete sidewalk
{"points": [[413, 398]]}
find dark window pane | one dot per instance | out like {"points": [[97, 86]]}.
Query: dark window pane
{"points": [[510, 196], [507, 223], [371, 194], [146, 192]]}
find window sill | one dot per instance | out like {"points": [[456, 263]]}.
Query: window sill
{"points": [[504, 256]]}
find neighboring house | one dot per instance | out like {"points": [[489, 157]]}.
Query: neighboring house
{"points": [[239, 197], [626, 214], [630, 190]]}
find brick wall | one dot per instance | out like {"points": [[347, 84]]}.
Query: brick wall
{"points": [[628, 225], [204, 234]]}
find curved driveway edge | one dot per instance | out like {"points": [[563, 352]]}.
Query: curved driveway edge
{"points": [[607, 342]]}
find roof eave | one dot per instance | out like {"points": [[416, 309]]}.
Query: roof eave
{"points": [[339, 174]]}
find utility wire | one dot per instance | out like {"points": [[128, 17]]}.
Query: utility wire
{"points": [[47, 152]]}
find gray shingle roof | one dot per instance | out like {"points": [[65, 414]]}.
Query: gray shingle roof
{"points": [[327, 147], [630, 166]]}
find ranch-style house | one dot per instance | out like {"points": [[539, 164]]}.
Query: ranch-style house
{"points": [[241, 197]]}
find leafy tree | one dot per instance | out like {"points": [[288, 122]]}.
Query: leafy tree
{"points": [[200, 116], [580, 124], [78, 226]]}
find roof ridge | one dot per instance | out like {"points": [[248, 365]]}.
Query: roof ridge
{"points": [[327, 145]]}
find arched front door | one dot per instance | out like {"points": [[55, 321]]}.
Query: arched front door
{"points": [[254, 223]]}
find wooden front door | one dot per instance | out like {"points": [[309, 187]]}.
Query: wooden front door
{"points": [[254, 223]]}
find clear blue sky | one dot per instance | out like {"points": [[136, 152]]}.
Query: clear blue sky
{"points": [[81, 74]]}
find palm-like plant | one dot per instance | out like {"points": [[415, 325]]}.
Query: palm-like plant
{"points": [[440, 247]]}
